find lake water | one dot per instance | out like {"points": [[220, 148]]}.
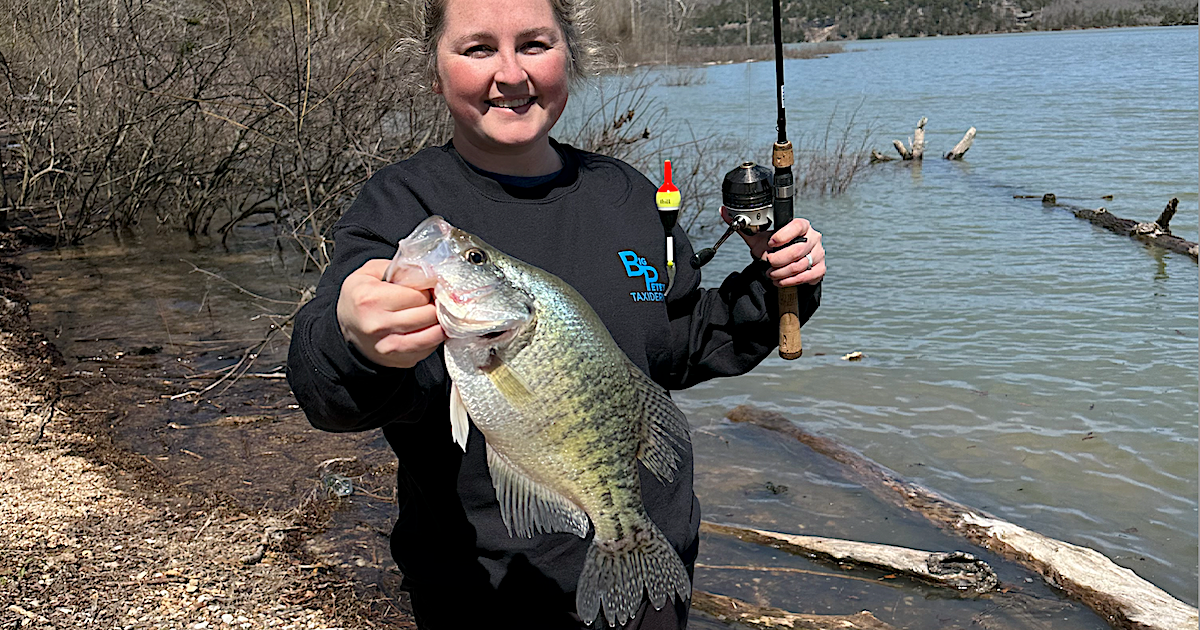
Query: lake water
{"points": [[1017, 358]]}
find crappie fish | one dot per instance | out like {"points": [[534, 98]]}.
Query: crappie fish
{"points": [[566, 414]]}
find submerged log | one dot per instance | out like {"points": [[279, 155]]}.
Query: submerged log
{"points": [[1118, 594], [963, 146], [956, 569], [1156, 233], [731, 610], [876, 156]]}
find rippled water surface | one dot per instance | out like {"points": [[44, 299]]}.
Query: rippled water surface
{"points": [[1017, 358]]}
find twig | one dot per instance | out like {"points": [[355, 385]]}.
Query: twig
{"points": [[235, 285]]}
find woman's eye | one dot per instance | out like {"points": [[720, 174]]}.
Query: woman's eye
{"points": [[535, 47], [475, 256], [478, 51]]}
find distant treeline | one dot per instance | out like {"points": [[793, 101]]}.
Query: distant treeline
{"points": [[727, 22]]}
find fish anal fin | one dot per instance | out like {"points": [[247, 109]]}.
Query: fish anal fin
{"points": [[459, 419], [528, 507], [664, 428]]}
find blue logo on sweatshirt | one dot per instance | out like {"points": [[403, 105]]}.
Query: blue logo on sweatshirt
{"points": [[637, 267]]}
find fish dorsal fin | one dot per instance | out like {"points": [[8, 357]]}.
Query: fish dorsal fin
{"points": [[459, 426], [528, 507], [664, 427]]}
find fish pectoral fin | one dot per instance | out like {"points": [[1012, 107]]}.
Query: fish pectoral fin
{"points": [[510, 384], [459, 420], [528, 507], [664, 428]]}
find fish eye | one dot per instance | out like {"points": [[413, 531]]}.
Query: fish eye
{"points": [[475, 256]]}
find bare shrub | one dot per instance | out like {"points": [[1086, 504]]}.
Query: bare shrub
{"points": [[204, 114], [829, 165], [621, 119]]}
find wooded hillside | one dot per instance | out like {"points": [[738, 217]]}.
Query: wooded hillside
{"points": [[725, 22]]}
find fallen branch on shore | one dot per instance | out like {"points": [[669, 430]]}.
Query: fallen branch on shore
{"points": [[731, 610], [1156, 233], [1116, 593], [956, 569]]}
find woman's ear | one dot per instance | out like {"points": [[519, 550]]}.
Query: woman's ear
{"points": [[436, 86]]}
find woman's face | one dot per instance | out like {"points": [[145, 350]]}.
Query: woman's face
{"points": [[502, 68]]}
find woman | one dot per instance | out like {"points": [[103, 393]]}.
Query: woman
{"points": [[365, 353]]}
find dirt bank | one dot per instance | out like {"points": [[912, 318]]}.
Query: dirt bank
{"points": [[95, 535]]}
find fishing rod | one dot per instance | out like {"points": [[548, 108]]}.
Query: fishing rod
{"points": [[759, 200]]}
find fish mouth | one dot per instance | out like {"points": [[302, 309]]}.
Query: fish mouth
{"points": [[419, 253], [458, 326]]}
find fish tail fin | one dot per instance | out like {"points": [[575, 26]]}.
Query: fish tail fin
{"points": [[616, 573]]}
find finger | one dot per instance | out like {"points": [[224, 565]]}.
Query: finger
{"points": [[800, 264], [380, 323], [808, 276], [423, 341], [796, 251], [370, 294], [795, 229], [374, 267]]}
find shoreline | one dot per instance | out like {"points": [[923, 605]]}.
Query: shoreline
{"points": [[98, 535]]}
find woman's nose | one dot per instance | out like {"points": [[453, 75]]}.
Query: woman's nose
{"points": [[510, 71]]}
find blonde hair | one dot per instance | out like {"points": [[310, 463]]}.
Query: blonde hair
{"points": [[429, 22]]}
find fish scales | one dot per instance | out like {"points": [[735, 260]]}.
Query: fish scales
{"points": [[571, 435], [565, 415]]}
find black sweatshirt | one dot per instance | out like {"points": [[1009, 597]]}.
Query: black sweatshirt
{"points": [[595, 226]]}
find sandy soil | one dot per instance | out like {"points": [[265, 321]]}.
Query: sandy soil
{"points": [[95, 536]]}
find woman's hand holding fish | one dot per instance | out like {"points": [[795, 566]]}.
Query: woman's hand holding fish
{"points": [[390, 324]]}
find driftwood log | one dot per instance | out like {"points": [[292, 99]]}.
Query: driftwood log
{"points": [[732, 610], [917, 150], [876, 156], [1156, 233], [1127, 601], [963, 146], [955, 569]]}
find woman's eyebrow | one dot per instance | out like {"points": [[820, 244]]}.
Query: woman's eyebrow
{"points": [[542, 31], [485, 36]]}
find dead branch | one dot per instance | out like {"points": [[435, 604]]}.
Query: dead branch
{"points": [[956, 569], [731, 610], [963, 146], [1116, 593], [916, 151]]}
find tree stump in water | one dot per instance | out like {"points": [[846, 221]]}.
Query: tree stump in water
{"points": [[917, 151], [963, 146]]}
